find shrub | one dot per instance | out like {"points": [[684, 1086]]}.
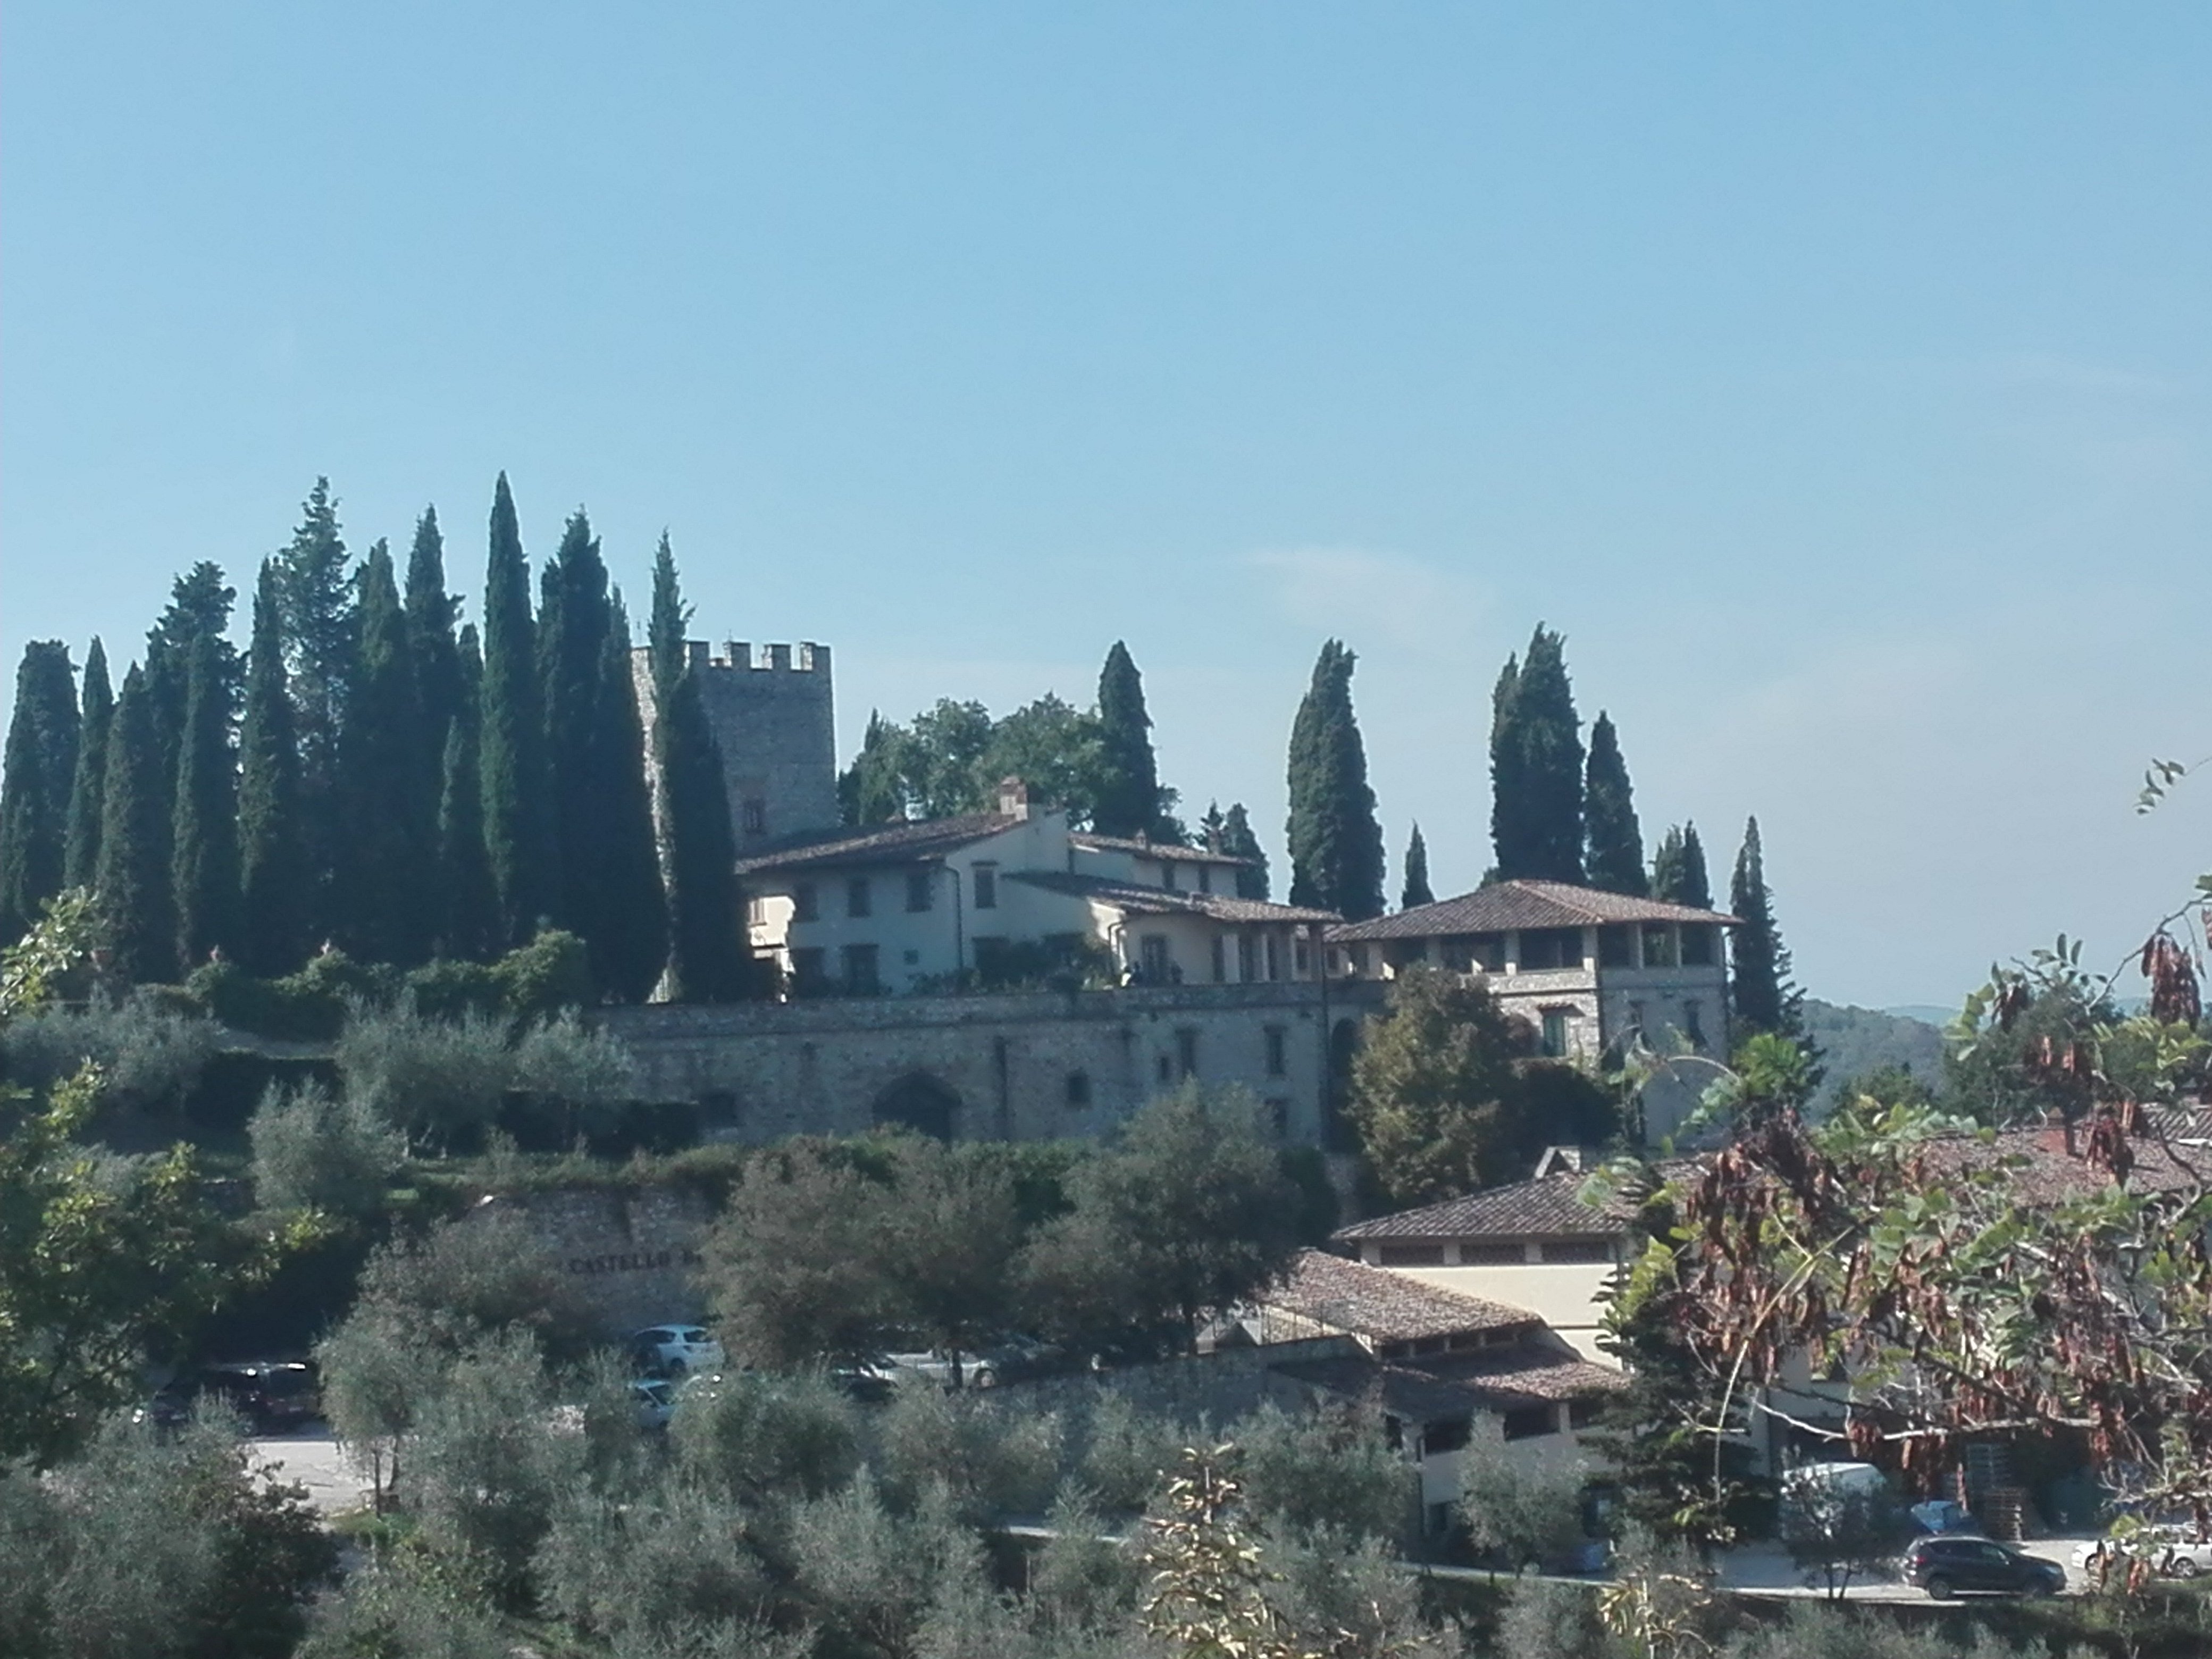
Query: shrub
{"points": [[1519, 1511], [869, 1577], [675, 1560], [991, 1463], [561, 1059], [1332, 1467], [764, 1436], [150, 1056], [387, 1611], [1127, 1456], [441, 1081], [315, 1149], [482, 1273]]}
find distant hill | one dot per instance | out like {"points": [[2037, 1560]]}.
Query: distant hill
{"points": [[1855, 1041]]}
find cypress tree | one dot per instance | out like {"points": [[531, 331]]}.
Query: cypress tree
{"points": [[1615, 860], [81, 857], [273, 878], [468, 924], [1129, 777], [433, 615], [36, 775], [1536, 767], [1678, 869], [320, 647], [1238, 842], [574, 622], [203, 824], [709, 957], [386, 885], [1418, 891], [1336, 845], [199, 608], [138, 907], [1758, 967], [511, 739], [629, 918], [873, 789]]}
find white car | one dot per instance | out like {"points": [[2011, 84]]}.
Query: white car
{"points": [[677, 1350], [655, 1402], [2170, 1551]]}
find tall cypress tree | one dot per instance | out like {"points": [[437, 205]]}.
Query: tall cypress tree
{"points": [[1615, 859], [468, 899], [137, 907], [203, 822], [1418, 891], [873, 789], [275, 913], [81, 854], [574, 622], [1336, 845], [518, 819], [709, 956], [1239, 842], [36, 775], [1678, 869], [386, 885], [199, 608], [433, 615], [1758, 969], [1536, 767], [320, 648], [1129, 781], [629, 917]]}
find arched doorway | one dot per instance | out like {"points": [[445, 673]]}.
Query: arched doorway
{"points": [[919, 1102]]}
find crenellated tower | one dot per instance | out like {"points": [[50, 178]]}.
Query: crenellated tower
{"points": [[771, 711]]}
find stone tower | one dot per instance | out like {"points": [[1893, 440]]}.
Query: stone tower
{"points": [[774, 720]]}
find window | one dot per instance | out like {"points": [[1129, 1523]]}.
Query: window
{"points": [[1154, 965], [1278, 1050], [920, 889], [1698, 946], [1246, 959], [806, 972], [1473, 1255], [1528, 1422], [1167, 874], [1543, 948], [1413, 1255], [1163, 1069], [804, 903], [1219, 950], [1693, 1023], [858, 900], [1578, 1249], [1079, 1089], [1658, 945], [1616, 947], [860, 975], [752, 818], [1204, 877], [1555, 1032], [986, 879], [1449, 1435], [1276, 958], [1581, 1413], [1186, 1051]]}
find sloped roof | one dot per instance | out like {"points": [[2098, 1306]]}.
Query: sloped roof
{"points": [[1165, 900], [922, 842], [1445, 1386], [1550, 1206], [1509, 906], [1370, 1302], [1154, 849]]}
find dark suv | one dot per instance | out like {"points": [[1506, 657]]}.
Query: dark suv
{"points": [[274, 1396], [1948, 1567]]}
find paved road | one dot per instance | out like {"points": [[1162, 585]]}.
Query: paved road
{"points": [[1765, 1570], [311, 1458]]}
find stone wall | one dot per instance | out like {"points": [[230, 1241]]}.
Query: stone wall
{"points": [[774, 714], [629, 1255], [1217, 1388], [1036, 1065]]}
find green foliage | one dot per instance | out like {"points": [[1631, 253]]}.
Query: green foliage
{"points": [[670, 1568], [1836, 1532], [792, 1268], [868, 1576], [869, 791], [81, 848], [950, 760], [1336, 845], [1520, 1511], [1759, 988], [1863, 1048], [275, 881], [1230, 833], [518, 830], [1614, 853], [203, 828], [468, 903], [319, 626], [315, 1149], [629, 939], [1327, 1472], [308, 1006], [755, 1436], [985, 1461], [37, 773], [385, 891], [147, 1057], [1127, 1456], [1417, 891], [433, 617], [1678, 869], [400, 1609], [1127, 801], [132, 878], [1536, 766], [465, 1280]]}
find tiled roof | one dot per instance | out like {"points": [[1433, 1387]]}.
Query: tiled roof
{"points": [[2049, 1173], [1550, 1207], [1388, 1307], [923, 840], [1508, 906], [1154, 849], [1165, 900], [1446, 1386]]}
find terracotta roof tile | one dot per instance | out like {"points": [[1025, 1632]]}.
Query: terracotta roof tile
{"points": [[1429, 1390], [1166, 901], [1548, 1207], [924, 840], [1154, 849], [1507, 906], [1385, 1306]]}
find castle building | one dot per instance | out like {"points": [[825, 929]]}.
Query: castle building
{"points": [[773, 714]]}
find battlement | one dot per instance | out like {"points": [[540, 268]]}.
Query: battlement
{"points": [[772, 710], [743, 654]]}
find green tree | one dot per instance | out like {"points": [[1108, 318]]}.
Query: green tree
{"points": [[951, 1233], [629, 940], [468, 901], [132, 878], [1615, 854], [1055, 748], [946, 752], [1128, 801], [199, 608], [1536, 766], [274, 880], [433, 621], [872, 790], [1336, 845], [572, 631], [385, 886], [204, 823], [1238, 842], [81, 854], [315, 594], [518, 824], [36, 776], [709, 957], [794, 1270], [1417, 891], [1678, 869], [1759, 988]]}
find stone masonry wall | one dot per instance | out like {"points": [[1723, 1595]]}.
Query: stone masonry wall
{"points": [[775, 722], [629, 1255]]}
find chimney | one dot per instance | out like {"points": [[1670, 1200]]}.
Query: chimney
{"points": [[1014, 798]]}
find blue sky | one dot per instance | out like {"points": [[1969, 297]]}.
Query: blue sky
{"points": [[1839, 379]]}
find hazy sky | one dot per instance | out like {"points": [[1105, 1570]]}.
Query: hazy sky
{"points": [[1839, 380]]}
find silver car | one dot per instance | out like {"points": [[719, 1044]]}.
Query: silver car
{"points": [[677, 1350]]}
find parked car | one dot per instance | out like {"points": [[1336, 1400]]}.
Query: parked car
{"points": [[655, 1401], [675, 1350], [2173, 1551], [1946, 1566], [274, 1396]]}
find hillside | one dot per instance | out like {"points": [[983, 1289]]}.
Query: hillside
{"points": [[1855, 1041]]}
